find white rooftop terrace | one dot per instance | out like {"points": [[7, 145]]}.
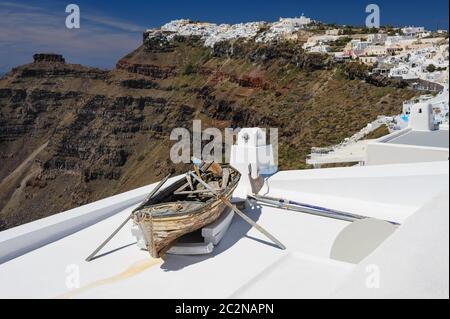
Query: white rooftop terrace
{"points": [[409, 145], [438, 138], [41, 258]]}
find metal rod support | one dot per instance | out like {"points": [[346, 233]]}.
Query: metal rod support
{"points": [[152, 193], [308, 209]]}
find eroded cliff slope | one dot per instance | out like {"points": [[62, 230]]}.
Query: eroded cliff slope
{"points": [[70, 134]]}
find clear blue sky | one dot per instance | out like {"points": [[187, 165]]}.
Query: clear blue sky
{"points": [[396, 12], [110, 29]]}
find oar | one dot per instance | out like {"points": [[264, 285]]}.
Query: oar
{"points": [[309, 209], [239, 212], [153, 192]]}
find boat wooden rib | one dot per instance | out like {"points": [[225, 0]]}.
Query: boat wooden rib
{"points": [[184, 207]]}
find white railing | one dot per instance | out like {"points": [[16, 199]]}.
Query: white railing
{"points": [[320, 152]]}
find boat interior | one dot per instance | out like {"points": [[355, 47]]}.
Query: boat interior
{"points": [[188, 195]]}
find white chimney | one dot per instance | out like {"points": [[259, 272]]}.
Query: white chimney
{"points": [[251, 152], [421, 117]]}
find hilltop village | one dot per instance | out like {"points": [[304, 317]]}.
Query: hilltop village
{"points": [[413, 55], [408, 52]]}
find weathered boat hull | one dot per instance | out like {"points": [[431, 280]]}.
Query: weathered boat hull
{"points": [[160, 232]]}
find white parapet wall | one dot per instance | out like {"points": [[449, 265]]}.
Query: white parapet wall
{"points": [[388, 149], [19, 240], [381, 153]]}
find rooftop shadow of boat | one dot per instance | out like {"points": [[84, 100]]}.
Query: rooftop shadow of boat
{"points": [[237, 231]]}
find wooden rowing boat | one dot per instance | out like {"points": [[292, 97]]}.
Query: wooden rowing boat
{"points": [[185, 206]]}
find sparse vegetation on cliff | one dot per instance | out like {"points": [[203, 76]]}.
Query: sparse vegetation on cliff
{"points": [[88, 129]]}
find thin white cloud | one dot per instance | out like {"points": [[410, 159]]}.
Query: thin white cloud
{"points": [[89, 17], [125, 26], [28, 29], [14, 5]]}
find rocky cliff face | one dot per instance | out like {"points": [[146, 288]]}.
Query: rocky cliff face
{"points": [[71, 134]]}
